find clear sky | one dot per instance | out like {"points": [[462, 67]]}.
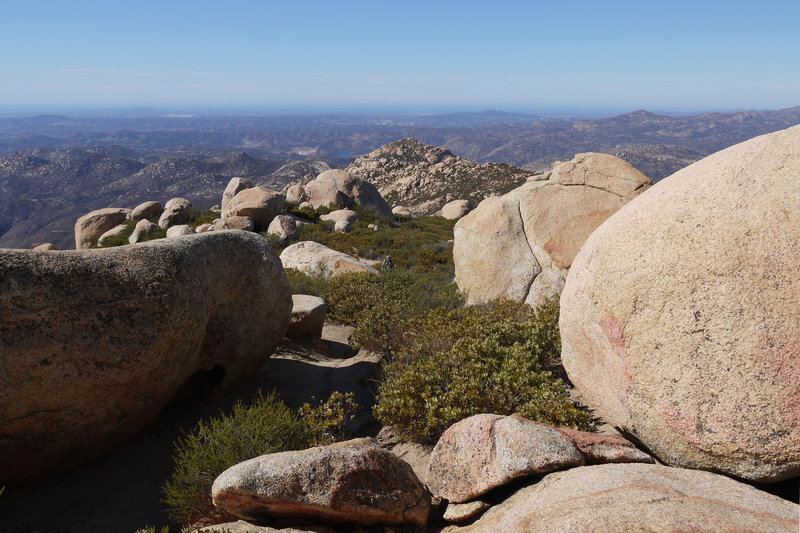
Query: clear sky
{"points": [[419, 55]]}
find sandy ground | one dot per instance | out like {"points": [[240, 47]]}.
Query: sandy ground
{"points": [[121, 491]]}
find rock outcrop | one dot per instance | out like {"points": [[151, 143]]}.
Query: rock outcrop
{"points": [[637, 497], [94, 343], [680, 320], [235, 222], [354, 481], [421, 176], [521, 245], [310, 256], [345, 190], [91, 226]]}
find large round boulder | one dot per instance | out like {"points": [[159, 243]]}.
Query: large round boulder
{"points": [[637, 497], [680, 320], [235, 186], [521, 245], [345, 190], [94, 343], [91, 226]]}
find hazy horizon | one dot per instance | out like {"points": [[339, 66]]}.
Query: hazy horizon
{"points": [[315, 56]]}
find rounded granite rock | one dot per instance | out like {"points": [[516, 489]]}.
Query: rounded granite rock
{"points": [[680, 320], [94, 343]]}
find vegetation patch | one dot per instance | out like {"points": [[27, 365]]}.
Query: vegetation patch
{"points": [[379, 305], [447, 365], [266, 425]]}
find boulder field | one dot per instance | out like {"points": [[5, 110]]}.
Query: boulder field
{"points": [[521, 245], [680, 319], [94, 343]]}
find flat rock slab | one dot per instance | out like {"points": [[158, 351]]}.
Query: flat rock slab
{"points": [[354, 481], [637, 497], [94, 343], [680, 321], [240, 526], [487, 451]]}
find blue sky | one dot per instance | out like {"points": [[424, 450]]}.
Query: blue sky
{"points": [[422, 56]]}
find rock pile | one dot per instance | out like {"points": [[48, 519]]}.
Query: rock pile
{"points": [[424, 178]]}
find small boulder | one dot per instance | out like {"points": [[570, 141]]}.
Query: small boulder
{"points": [[258, 203], [343, 219], [45, 247], [308, 317], [486, 451], [401, 211], [354, 481], [91, 226], [345, 190], [455, 209], [202, 228], [234, 222], [143, 228], [180, 230], [113, 232], [177, 211], [146, 210], [295, 193], [310, 256], [235, 186], [461, 512], [286, 227], [637, 497]]}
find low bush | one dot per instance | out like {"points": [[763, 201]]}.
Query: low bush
{"points": [[198, 217], [264, 426], [312, 282], [378, 305], [448, 365]]}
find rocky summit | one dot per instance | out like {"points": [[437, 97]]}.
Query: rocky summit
{"points": [[94, 343], [680, 320], [424, 178]]}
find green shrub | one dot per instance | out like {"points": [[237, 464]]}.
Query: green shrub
{"points": [[421, 245], [119, 239], [378, 305], [449, 365], [312, 282], [198, 217], [264, 426]]}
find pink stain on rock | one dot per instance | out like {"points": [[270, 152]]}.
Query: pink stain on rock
{"points": [[620, 368], [783, 358]]}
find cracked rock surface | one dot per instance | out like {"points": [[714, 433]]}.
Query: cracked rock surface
{"points": [[521, 245]]}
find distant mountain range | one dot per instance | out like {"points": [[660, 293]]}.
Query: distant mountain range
{"points": [[55, 168]]}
